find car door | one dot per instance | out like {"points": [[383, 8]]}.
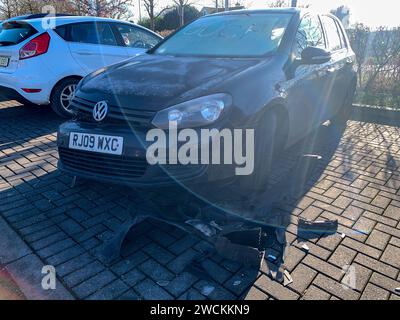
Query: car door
{"points": [[305, 97], [135, 39], [94, 45], [336, 71]]}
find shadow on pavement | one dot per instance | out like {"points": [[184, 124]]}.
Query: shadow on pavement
{"points": [[22, 123]]}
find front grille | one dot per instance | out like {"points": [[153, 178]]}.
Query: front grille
{"points": [[108, 166], [84, 110]]}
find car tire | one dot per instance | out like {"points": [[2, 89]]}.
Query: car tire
{"points": [[266, 147], [61, 95]]}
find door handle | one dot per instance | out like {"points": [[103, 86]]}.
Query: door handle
{"points": [[84, 53]]}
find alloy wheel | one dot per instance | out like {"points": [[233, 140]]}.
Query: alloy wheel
{"points": [[67, 95]]}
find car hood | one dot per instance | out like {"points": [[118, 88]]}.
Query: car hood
{"points": [[154, 82]]}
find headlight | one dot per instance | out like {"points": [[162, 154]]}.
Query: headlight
{"points": [[194, 113]]}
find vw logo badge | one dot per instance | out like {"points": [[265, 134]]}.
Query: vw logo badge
{"points": [[100, 111]]}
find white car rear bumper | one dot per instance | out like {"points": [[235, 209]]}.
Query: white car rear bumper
{"points": [[29, 75]]}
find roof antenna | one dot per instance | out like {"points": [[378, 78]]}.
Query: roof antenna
{"points": [[294, 3]]}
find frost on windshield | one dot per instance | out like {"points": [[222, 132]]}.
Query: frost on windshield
{"points": [[238, 35]]}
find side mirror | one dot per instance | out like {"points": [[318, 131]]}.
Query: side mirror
{"points": [[309, 56], [314, 55]]}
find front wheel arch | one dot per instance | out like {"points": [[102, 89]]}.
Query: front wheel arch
{"points": [[283, 122], [272, 123], [76, 77], [57, 92]]}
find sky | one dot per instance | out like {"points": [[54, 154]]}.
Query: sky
{"points": [[370, 12]]}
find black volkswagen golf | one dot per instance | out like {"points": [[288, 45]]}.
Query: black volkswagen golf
{"points": [[243, 84]]}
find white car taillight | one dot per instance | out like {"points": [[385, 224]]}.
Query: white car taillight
{"points": [[35, 47]]}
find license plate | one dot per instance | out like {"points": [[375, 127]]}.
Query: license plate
{"points": [[96, 143], [4, 61]]}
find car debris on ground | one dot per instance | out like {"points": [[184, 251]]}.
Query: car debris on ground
{"points": [[204, 228], [287, 278], [244, 240], [163, 283], [207, 290], [305, 247], [319, 227], [271, 257]]}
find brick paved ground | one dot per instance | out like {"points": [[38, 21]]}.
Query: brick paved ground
{"points": [[358, 184]]}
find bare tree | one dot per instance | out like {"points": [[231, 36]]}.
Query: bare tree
{"points": [[286, 3], [378, 62], [343, 14], [359, 38], [277, 3], [385, 53], [151, 8], [109, 8], [80, 7], [102, 8], [218, 4], [8, 8], [181, 4], [11, 8], [29, 6]]}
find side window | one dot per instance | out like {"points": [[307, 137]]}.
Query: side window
{"points": [[334, 42], [309, 34], [94, 33], [62, 31], [341, 35], [134, 37]]}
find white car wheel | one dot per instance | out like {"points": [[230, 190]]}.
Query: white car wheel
{"points": [[67, 95]]}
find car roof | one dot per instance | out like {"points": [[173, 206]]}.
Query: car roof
{"points": [[64, 20], [59, 21], [72, 19], [36, 16]]}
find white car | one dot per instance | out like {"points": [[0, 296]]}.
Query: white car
{"points": [[42, 60]]}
